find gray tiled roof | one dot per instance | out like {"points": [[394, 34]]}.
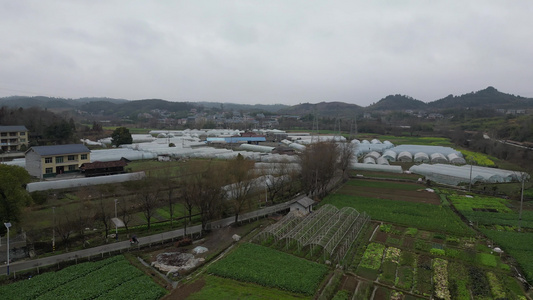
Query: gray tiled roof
{"points": [[60, 149], [14, 128], [305, 201]]}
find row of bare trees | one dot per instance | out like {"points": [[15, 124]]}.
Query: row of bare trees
{"points": [[207, 188]]}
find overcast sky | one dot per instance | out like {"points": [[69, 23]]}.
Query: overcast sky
{"points": [[266, 51]]}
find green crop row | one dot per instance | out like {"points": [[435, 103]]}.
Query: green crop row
{"points": [[469, 203], [372, 256], [83, 281], [419, 215], [517, 244], [270, 268]]}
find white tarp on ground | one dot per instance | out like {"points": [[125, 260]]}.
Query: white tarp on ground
{"points": [[377, 168], [85, 181]]}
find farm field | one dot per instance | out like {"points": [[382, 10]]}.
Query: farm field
{"points": [[497, 218], [214, 287], [107, 279], [411, 140], [412, 213], [271, 268], [418, 263]]}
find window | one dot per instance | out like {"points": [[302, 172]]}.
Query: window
{"points": [[22, 140], [59, 159], [49, 170], [84, 156], [23, 133], [47, 160], [72, 167], [72, 157]]}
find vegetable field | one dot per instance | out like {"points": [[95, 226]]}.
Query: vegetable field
{"points": [[112, 278], [270, 268], [420, 215]]}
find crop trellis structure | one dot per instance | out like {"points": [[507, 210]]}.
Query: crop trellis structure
{"points": [[328, 229]]}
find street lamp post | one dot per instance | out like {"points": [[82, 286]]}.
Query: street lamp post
{"points": [[116, 226], [54, 230], [7, 226]]}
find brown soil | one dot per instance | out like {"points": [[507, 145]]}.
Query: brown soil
{"points": [[409, 242], [349, 283], [381, 237]]}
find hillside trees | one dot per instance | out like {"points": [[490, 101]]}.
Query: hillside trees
{"points": [[13, 195], [121, 136]]}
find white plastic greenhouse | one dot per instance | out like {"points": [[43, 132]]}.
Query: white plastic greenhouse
{"points": [[377, 168], [373, 154], [369, 160], [256, 148], [421, 157], [390, 155], [456, 159], [413, 149], [382, 161], [453, 175], [405, 156], [85, 181], [438, 158], [297, 147]]}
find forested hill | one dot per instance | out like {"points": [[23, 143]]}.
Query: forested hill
{"points": [[398, 102], [487, 98]]}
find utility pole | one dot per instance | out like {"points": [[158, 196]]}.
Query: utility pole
{"points": [[54, 230]]}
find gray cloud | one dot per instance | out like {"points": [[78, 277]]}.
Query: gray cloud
{"points": [[265, 51]]}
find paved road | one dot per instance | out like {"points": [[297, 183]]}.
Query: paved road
{"points": [[123, 246]]}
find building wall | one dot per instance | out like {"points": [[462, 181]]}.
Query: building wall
{"points": [[33, 163], [51, 165], [12, 141]]}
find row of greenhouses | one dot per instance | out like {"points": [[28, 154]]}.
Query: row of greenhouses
{"points": [[454, 175]]}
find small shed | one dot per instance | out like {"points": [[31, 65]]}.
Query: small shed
{"points": [[303, 204], [101, 168]]}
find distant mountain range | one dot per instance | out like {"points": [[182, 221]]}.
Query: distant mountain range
{"points": [[487, 98]]}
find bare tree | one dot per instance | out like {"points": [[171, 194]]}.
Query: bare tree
{"points": [[104, 215], [147, 194], [169, 182], [318, 166], [280, 180], [346, 152], [239, 190], [207, 188], [125, 209]]}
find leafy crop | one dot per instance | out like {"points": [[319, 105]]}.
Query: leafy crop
{"points": [[372, 256], [271, 268], [83, 281], [478, 158], [419, 215]]}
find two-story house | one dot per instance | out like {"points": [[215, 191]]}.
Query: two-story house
{"points": [[12, 138], [49, 161]]}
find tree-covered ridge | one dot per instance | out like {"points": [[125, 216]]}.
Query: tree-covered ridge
{"points": [[487, 98], [398, 102]]}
